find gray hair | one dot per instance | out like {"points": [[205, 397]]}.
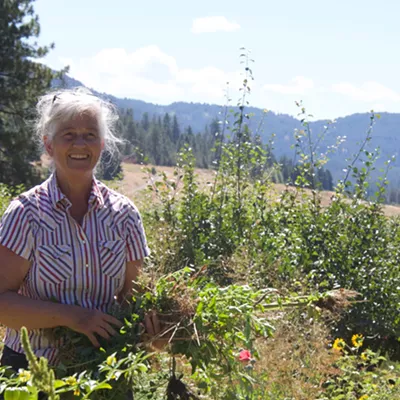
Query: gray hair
{"points": [[61, 105]]}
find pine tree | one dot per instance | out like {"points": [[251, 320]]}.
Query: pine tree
{"points": [[145, 121], [155, 145], [176, 132], [129, 133], [328, 181], [215, 132], [22, 80], [167, 126], [191, 138]]}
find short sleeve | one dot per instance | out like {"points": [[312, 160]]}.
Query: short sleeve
{"points": [[15, 230], [136, 238]]}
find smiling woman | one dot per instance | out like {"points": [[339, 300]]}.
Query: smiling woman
{"points": [[70, 247], [76, 117]]}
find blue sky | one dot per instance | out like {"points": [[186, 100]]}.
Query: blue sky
{"points": [[339, 57]]}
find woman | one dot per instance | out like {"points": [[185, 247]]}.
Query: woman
{"points": [[69, 246]]}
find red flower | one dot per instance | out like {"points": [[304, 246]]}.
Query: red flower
{"points": [[245, 355]]}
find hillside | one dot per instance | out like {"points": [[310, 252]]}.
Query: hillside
{"points": [[136, 180], [386, 134]]}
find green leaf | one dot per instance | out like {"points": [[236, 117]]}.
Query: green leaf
{"points": [[200, 307], [103, 385], [18, 394], [141, 367], [59, 383]]}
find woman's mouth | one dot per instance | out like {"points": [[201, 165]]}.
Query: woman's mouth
{"points": [[79, 156]]}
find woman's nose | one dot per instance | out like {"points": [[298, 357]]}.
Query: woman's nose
{"points": [[79, 140]]}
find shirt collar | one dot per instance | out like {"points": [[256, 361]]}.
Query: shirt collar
{"points": [[58, 197], [96, 197]]}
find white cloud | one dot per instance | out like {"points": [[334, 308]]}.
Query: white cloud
{"points": [[214, 24], [119, 61], [150, 74], [299, 85], [368, 91], [208, 81]]}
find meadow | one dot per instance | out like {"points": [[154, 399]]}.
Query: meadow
{"points": [[264, 291], [290, 308]]}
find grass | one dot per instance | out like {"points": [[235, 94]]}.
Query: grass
{"points": [[297, 360], [136, 180]]}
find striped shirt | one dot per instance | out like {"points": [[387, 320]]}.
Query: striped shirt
{"points": [[70, 263]]}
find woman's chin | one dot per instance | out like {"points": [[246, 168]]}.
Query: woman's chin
{"points": [[83, 166], [79, 170]]}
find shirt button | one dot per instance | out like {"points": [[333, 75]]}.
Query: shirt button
{"points": [[83, 241], [87, 265]]}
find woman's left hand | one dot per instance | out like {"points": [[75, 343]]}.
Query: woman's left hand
{"points": [[153, 329]]}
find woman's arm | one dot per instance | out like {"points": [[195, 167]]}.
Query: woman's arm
{"points": [[17, 311], [133, 269], [151, 322]]}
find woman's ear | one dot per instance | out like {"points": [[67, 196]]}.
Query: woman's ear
{"points": [[48, 145]]}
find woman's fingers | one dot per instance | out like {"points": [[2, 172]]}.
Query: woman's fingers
{"points": [[112, 320], [93, 339], [103, 333], [152, 323], [109, 329], [94, 322], [156, 322], [148, 324], [152, 327]]}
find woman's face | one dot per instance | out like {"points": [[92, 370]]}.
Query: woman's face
{"points": [[76, 145]]}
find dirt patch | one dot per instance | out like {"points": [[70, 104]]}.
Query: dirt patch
{"points": [[327, 196], [136, 179]]}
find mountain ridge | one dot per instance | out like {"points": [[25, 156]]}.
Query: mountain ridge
{"points": [[386, 132]]}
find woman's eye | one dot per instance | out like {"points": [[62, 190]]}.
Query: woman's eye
{"points": [[68, 135]]}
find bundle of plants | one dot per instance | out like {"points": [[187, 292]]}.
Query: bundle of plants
{"points": [[204, 326], [196, 317]]}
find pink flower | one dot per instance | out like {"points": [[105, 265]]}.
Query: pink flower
{"points": [[244, 355]]}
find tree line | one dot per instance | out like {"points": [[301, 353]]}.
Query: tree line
{"points": [[157, 139]]}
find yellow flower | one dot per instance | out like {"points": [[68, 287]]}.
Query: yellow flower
{"points": [[363, 397], [111, 360], [71, 380], [357, 340], [24, 376], [77, 392], [364, 356], [339, 344]]}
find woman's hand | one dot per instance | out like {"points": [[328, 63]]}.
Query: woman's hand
{"points": [[152, 323], [91, 322], [153, 331]]}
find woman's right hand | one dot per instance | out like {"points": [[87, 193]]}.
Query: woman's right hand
{"points": [[91, 322]]}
